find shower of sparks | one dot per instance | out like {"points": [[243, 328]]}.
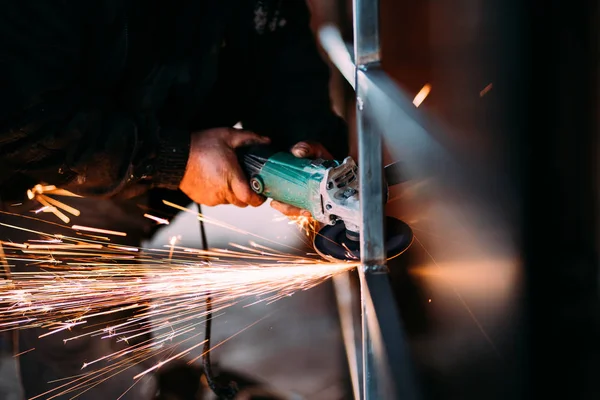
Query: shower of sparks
{"points": [[79, 288], [305, 224], [40, 193]]}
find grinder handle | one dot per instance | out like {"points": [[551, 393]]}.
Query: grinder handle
{"points": [[257, 152]]}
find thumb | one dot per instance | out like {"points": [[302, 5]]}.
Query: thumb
{"points": [[239, 138], [304, 150]]}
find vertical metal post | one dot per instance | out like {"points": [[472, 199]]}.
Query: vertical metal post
{"points": [[366, 32], [386, 372], [347, 301], [366, 55], [370, 154]]}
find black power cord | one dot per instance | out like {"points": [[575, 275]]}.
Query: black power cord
{"points": [[225, 392]]}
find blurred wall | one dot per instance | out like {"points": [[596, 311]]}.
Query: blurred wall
{"points": [[514, 84]]}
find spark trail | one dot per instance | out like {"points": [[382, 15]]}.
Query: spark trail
{"points": [[148, 301]]}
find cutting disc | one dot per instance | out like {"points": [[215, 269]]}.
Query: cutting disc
{"points": [[331, 241]]}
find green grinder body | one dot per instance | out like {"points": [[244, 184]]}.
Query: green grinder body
{"points": [[288, 179]]}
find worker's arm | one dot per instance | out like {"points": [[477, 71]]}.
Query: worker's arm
{"points": [[291, 100], [57, 123]]}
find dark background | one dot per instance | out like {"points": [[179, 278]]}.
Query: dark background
{"points": [[531, 143]]}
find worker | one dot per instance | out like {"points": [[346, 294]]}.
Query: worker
{"points": [[112, 97], [116, 99]]}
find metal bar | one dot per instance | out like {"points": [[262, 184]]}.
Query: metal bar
{"points": [[376, 385], [387, 341], [382, 334], [335, 47], [346, 299], [366, 32], [371, 245], [370, 159], [387, 369]]}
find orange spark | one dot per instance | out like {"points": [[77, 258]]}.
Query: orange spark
{"points": [[485, 90], [157, 219], [97, 230], [166, 297], [23, 352], [422, 95]]}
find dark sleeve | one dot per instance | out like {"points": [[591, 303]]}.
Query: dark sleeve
{"points": [[58, 125], [290, 100]]}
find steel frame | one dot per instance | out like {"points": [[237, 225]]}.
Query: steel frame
{"points": [[384, 371]]}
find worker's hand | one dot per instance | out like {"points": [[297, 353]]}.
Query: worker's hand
{"points": [[213, 175], [302, 150]]}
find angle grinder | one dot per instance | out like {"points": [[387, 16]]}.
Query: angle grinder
{"points": [[329, 190]]}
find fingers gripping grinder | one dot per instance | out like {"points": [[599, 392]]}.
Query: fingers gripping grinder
{"points": [[329, 190]]}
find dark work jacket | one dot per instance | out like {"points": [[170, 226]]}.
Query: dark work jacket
{"points": [[100, 97]]}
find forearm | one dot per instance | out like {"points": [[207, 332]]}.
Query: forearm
{"points": [[127, 153], [100, 154]]}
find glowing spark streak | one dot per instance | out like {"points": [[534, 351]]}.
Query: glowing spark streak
{"points": [[128, 389], [349, 252], [172, 242], [157, 219], [94, 236], [306, 224], [99, 373], [72, 253], [248, 253], [169, 298], [23, 352], [176, 356], [138, 359], [19, 245], [62, 192], [229, 338], [39, 189], [64, 246], [223, 225], [486, 90], [112, 246], [464, 303], [97, 230], [16, 322], [61, 205], [146, 344], [260, 246], [264, 252], [67, 326], [27, 230], [52, 209], [422, 95], [116, 310], [34, 219]]}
